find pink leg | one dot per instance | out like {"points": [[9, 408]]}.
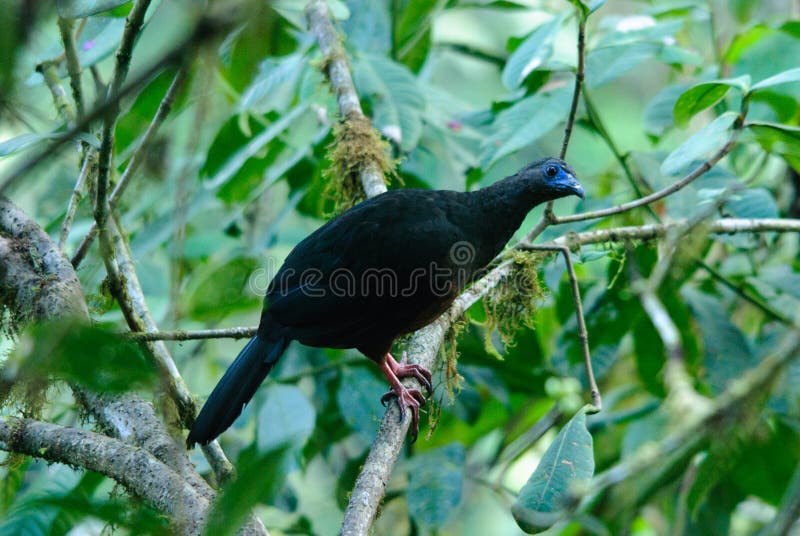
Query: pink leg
{"points": [[406, 398]]}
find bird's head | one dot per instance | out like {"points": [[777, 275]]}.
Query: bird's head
{"points": [[552, 177]]}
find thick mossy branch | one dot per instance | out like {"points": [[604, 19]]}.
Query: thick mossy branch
{"points": [[356, 146], [512, 303]]}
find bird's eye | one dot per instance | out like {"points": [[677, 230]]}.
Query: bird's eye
{"points": [[551, 171]]}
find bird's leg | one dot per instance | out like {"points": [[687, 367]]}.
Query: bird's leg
{"points": [[404, 370], [411, 398]]}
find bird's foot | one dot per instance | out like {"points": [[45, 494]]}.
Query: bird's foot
{"points": [[406, 398], [404, 370]]}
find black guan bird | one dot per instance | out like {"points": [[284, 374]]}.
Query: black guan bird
{"points": [[384, 268]]}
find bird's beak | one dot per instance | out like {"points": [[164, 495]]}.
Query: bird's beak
{"points": [[574, 186]]}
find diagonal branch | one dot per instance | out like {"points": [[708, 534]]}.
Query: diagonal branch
{"points": [[136, 469]]}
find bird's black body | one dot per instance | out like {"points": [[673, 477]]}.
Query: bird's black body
{"points": [[386, 267]]}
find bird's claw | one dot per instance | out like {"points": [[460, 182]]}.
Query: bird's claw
{"points": [[407, 398], [423, 375]]}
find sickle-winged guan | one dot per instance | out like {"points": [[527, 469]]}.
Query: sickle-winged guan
{"points": [[386, 267]]}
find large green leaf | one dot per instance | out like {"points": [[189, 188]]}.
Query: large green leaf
{"points": [[220, 287], [286, 418], [275, 85], [776, 138], [705, 95], [658, 115], [532, 53], [435, 483], [701, 145], [357, 398], [94, 357], [397, 102], [525, 122], [568, 461], [726, 351], [785, 77]]}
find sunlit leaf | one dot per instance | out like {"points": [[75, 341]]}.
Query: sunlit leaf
{"points": [[532, 53], [700, 145], [792, 75], [705, 95], [435, 483], [397, 102], [568, 461]]}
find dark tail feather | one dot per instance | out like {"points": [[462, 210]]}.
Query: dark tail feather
{"points": [[235, 389]]}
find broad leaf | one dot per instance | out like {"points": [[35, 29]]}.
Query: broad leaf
{"points": [[397, 102], [700, 146], [568, 461], [726, 351], [792, 75], [21, 142], [776, 138], [525, 122], [532, 53], [435, 482], [275, 85], [286, 418], [705, 95], [357, 398]]}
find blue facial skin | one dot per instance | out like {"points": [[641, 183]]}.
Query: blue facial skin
{"points": [[563, 180]]}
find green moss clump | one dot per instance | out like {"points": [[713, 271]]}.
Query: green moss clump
{"points": [[512, 303], [356, 146], [450, 349]]}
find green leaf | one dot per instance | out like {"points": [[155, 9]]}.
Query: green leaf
{"points": [[21, 142], [435, 482], [585, 8], [218, 288], [753, 203], [532, 53], [251, 149], [568, 461], [259, 478], [726, 351], [96, 358], [607, 63], [776, 138], [792, 75], [701, 145], [286, 417], [705, 95], [78, 9], [357, 398], [397, 102], [525, 122], [275, 85], [658, 115]]}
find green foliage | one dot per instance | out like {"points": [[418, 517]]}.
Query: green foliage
{"points": [[567, 464]]}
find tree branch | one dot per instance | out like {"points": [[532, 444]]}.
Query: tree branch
{"points": [[139, 155], [134, 468], [338, 72]]}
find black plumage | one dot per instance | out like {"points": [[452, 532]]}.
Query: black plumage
{"points": [[386, 267]]}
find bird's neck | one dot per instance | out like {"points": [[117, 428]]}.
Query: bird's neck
{"points": [[501, 208]]}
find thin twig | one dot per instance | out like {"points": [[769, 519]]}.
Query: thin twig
{"points": [[583, 334], [73, 63], [49, 72], [138, 156], [655, 196], [576, 93], [88, 168], [186, 335]]}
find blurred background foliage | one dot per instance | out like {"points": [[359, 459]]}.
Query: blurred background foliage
{"points": [[466, 92]]}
